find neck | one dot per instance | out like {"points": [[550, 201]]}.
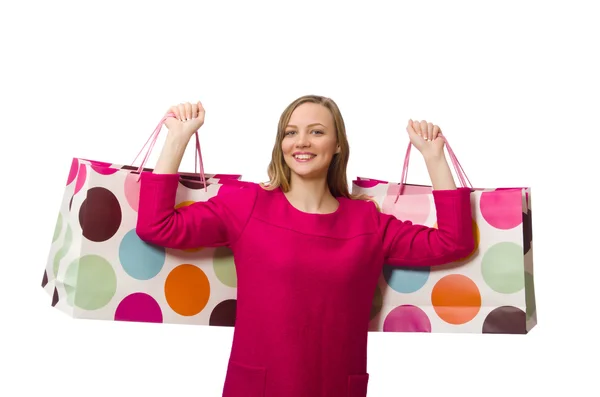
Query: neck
{"points": [[311, 195]]}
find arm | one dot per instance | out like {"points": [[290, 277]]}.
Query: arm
{"points": [[216, 222], [407, 244]]}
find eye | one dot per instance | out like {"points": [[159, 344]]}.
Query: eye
{"points": [[289, 132], [318, 132]]}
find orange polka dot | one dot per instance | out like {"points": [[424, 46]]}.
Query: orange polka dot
{"points": [[187, 290], [456, 299], [185, 204]]}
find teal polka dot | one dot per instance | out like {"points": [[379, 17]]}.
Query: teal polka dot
{"points": [[405, 280], [139, 259]]}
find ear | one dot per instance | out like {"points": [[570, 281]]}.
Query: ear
{"points": [[338, 150]]}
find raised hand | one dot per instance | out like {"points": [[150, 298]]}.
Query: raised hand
{"points": [[188, 118], [426, 137]]}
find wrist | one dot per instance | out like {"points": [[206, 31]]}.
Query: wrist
{"points": [[433, 159]]}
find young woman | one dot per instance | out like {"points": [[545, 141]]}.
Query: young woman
{"points": [[308, 255]]}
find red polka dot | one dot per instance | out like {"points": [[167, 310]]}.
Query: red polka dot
{"points": [[407, 318], [502, 208], [81, 176], [139, 307], [73, 171]]}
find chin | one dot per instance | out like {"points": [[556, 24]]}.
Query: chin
{"points": [[306, 170]]}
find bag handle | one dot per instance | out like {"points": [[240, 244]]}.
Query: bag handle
{"points": [[152, 139], [460, 172]]}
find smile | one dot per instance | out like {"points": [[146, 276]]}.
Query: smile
{"points": [[304, 157]]}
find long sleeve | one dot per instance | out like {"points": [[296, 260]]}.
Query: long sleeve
{"points": [[408, 244], [216, 222]]}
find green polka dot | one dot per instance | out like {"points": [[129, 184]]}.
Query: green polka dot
{"points": [[529, 295], [224, 266], [503, 268], [90, 282], [58, 227], [63, 250], [377, 303]]}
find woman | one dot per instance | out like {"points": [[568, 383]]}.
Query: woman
{"points": [[308, 255]]}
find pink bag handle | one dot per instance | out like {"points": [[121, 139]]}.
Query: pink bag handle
{"points": [[460, 172], [152, 139]]}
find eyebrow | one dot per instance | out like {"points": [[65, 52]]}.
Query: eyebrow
{"points": [[310, 125]]}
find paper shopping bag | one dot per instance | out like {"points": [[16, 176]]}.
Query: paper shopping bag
{"points": [[98, 268], [490, 291]]}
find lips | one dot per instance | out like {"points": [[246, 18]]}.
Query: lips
{"points": [[304, 156]]}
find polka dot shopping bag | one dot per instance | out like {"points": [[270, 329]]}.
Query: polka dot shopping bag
{"points": [[490, 291], [98, 268]]}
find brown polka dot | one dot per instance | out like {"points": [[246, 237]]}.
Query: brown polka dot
{"points": [[45, 279], [505, 320], [191, 181], [132, 168], [527, 232], [55, 297], [71, 202], [100, 214], [224, 313]]}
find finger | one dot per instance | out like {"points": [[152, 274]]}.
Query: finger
{"points": [[194, 111], [430, 131], [181, 108], [200, 108], [411, 128], [175, 111], [436, 131], [423, 127], [188, 111]]}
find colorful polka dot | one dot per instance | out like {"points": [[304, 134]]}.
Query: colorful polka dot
{"points": [[45, 279], [66, 246], [81, 177], [527, 232], [90, 282], [57, 227], [502, 209], [100, 214], [377, 303], [224, 313], [224, 267], [502, 267], [55, 297], [187, 290], [103, 168], [132, 191], [139, 259], [410, 207], [73, 171], [139, 307], [505, 320], [456, 299], [405, 280], [407, 318]]}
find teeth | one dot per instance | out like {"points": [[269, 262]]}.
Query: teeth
{"points": [[304, 156]]}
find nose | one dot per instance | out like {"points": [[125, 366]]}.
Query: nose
{"points": [[302, 139]]}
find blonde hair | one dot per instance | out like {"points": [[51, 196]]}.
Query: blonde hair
{"points": [[279, 172]]}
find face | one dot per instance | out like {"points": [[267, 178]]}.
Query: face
{"points": [[310, 141]]}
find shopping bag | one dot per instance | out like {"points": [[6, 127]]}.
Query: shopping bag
{"points": [[490, 291], [98, 268]]}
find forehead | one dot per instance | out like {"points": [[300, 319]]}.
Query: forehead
{"points": [[308, 113]]}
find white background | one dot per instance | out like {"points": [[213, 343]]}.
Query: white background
{"points": [[513, 85]]}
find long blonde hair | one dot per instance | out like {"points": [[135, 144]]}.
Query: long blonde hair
{"points": [[279, 172]]}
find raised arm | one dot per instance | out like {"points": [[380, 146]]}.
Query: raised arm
{"points": [[406, 244], [216, 222]]}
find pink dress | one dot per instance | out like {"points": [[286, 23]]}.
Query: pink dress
{"points": [[305, 281]]}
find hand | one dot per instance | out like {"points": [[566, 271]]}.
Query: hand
{"points": [[426, 137], [188, 118]]}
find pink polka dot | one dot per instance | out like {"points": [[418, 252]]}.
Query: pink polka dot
{"points": [[103, 168], [407, 318], [139, 307], [132, 190], [81, 175], [73, 171], [502, 208], [413, 204]]}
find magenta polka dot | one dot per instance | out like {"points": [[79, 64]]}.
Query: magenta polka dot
{"points": [[503, 208], [103, 168], [132, 190], [81, 175], [73, 171], [139, 307], [407, 318], [413, 204]]}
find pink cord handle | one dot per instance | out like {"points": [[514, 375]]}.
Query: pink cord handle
{"points": [[152, 139], [460, 172]]}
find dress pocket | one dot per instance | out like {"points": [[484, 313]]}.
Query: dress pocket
{"points": [[357, 385], [244, 380]]}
